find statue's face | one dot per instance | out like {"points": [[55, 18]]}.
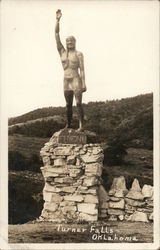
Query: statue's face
{"points": [[70, 42]]}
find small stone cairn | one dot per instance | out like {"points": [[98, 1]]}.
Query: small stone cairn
{"points": [[72, 170]]}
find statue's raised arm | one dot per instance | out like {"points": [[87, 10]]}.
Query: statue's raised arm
{"points": [[60, 46]]}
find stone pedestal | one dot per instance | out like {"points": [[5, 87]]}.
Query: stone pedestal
{"points": [[72, 170]]}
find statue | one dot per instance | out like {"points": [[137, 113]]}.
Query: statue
{"points": [[74, 82]]}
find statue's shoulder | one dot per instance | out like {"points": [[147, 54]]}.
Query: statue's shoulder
{"points": [[79, 54]]}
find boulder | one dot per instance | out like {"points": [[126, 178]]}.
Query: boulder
{"points": [[138, 216]]}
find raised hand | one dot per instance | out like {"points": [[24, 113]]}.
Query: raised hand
{"points": [[58, 14]]}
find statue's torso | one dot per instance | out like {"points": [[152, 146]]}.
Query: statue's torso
{"points": [[70, 63]]}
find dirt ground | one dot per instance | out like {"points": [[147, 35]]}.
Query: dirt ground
{"points": [[49, 232]]}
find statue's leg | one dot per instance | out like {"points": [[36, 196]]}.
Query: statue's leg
{"points": [[68, 94], [78, 97]]}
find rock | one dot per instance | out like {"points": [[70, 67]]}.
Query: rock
{"points": [[119, 183], [68, 189], [47, 173], [50, 206], [145, 210], [97, 150], [90, 158], [136, 186], [62, 151], [88, 208], [135, 195], [118, 193], [151, 216], [134, 203], [147, 191], [86, 190], [54, 170], [46, 160], [117, 204], [47, 196], [50, 188], [88, 217], [115, 211], [67, 203], [102, 194], [90, 181], [68, 209], [75, 172], [121, 217], [64, 180], [138, 216], [71, 160], [112, 198], [56, 198], [91, 199], [59, 162], [93, 169], [78, 198]]}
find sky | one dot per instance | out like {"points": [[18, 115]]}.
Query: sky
{"points": [[119, 41]]}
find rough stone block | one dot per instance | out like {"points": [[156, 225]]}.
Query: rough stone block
{"points": [[87, 208], [62, 151], [115, 211], [68, 209], [147, 191], [134, 203], [135, 195], [93, 169], [78, 198], [117, 204], [90, 158], [59, 162], [91, 199], [75, 172], [88, 217], [50, 206], [90, 181]]}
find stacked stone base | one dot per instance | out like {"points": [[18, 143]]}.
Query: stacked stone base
{"points": [[72, 178]]}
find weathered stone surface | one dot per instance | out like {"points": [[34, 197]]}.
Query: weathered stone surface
{"points": [[91, 199], [46, 173], [70, 136], [88, 217], [118, 193], [121, 217], [145, 210], [135, 203], [135, 195], [97, 150], [50, 206], [59, 162], [78, 198], [55, 170], [115, 211], [138, 216], [93, 169], [68, 189], [68, 209], [102, 194], [71, 160], [56, 198], [87, 208], [90, 158], [75, 172], [50, 188], [47, 196], [46, 160], [64, 180], [119, 183], [117, 204], [62, 151], [90, 181], [67, 203], [112, 198], [136, 186], [147, 191]]}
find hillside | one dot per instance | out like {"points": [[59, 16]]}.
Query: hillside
{"points": [[129, 121]]}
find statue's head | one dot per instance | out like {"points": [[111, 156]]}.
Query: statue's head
{"points": [[70, 42]]}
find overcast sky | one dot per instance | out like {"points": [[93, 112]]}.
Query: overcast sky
{"points": [[119, 40]]}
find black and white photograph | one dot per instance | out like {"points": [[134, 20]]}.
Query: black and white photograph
{"points": [[79, 124]]}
